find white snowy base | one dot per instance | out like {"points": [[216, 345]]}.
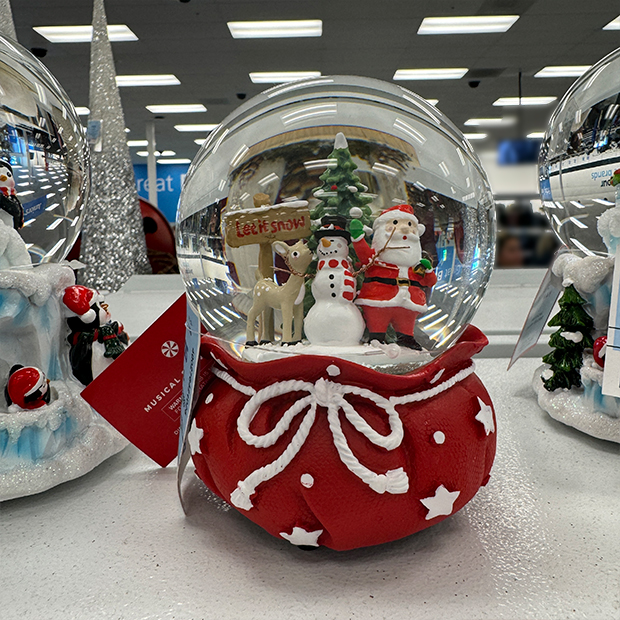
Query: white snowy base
{"points": [[54, 444], [571, 407], [365, 354]]}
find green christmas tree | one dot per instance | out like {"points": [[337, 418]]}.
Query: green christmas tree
{"points": [[342, 192], [568, 342]]}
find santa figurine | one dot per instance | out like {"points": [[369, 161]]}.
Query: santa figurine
{"points": [[396, 278], [27, 387], [95, 340]]}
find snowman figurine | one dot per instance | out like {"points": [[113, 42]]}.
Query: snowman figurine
{"points": [[334, 319]]}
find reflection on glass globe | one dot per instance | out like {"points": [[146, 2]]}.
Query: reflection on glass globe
{"points": [[579, 155], [42, 141], [347, 148]]}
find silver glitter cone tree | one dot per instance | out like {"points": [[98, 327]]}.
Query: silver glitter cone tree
{"points": [[113, 244], [7, 26]]}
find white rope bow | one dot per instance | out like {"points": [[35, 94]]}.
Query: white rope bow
{"points": [[331, 396]]}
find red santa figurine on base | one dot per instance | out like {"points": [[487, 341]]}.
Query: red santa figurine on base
{"points": [[393, 292]]}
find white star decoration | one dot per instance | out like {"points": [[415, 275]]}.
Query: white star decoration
{"points": [[299, 536], [441, 503], [193, 437], [485, 416]]}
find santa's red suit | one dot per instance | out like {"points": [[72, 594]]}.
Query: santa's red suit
{"points": [[396, 292]]}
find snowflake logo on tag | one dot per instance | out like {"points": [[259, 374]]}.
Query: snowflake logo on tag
{"points": [[170, 348]]}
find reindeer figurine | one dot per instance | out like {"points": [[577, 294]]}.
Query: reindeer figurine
{"points": [[288, 297]]}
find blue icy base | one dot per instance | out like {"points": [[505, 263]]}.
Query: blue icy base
{"points": [[36, 443]]}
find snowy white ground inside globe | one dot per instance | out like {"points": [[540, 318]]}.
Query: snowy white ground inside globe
{"points": [[390, 358]]}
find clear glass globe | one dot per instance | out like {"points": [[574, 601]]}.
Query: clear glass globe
{"points": [[43, 143], [282, 148], [579, 155]]}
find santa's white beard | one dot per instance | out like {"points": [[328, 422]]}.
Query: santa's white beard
{"points": [[409, 251]]}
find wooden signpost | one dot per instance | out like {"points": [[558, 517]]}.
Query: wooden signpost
{"points": [[263, 225]]}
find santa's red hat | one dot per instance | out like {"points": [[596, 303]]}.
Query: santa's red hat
{"points": [[79, 299], [27, 387], [400, 212]]}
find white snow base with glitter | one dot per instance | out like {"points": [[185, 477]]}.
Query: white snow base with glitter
{"points": [[587, 409], [44, 447], [53, 444]]}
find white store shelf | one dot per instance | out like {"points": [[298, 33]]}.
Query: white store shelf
{"points": [[540, 541]]}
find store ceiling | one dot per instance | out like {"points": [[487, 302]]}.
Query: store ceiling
{"points": [[364, 37]]}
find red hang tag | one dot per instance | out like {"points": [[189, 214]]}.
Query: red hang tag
{"points": [[140, 393]]}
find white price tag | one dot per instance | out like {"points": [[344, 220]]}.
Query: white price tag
{"points": [[548, 293], [190, 367], [611, 371]]}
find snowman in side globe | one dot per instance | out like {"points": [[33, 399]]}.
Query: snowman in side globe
{"points": [[13, 251]]}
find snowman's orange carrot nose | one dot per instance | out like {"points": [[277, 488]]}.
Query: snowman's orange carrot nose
{"points": [[325, 242], [3, 178]]}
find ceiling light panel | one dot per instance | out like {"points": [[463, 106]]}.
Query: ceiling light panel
{"points": [[157, 153], [430, 74], [490, 122], [176, 108], [276, 29], [562, 71], [203, 127], [536, 135], [82, 111], [162, 79], [475, 136], [280, 77], [83, 34], [137, 142], [530, 101], [476, 24], [174, 161], [614, 24]]}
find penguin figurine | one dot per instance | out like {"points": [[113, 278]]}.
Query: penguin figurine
{"points": [[27, 387], [95, 340], [8, 199]]}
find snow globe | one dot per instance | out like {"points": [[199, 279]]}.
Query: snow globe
{"points": [[336, 236], [579, 186], [48, 434]]}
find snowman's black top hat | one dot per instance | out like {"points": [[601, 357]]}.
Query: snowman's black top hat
{"points": [[333, 226]]}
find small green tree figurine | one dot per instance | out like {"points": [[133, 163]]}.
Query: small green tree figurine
{"points": [[568, 342], [342, 192]]}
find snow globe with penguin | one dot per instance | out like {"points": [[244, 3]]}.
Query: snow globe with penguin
{"points": [[336, 236], [580, 190], [48, 433]]}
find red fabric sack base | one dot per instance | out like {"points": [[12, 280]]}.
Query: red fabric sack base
{"points": [[443, 444]]}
